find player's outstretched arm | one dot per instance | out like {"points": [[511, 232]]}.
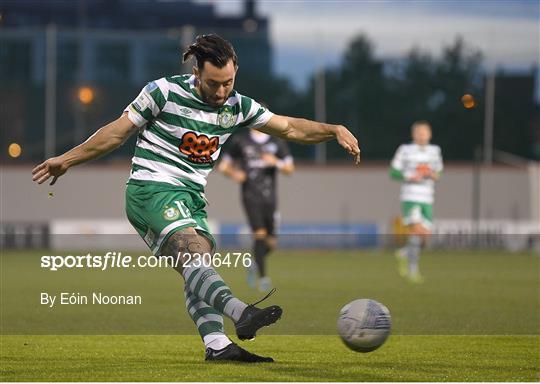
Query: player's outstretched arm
{"points": [[103, 141], [311, 132]]}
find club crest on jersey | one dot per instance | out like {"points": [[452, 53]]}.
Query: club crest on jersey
{"points": [[171, 213], [226, 118]]}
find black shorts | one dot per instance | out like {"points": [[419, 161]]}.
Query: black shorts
{"points": [[261, 214]]}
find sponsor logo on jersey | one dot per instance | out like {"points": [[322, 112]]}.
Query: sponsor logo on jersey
{"points": [[199, 148], [423, 169], [185, 111]]}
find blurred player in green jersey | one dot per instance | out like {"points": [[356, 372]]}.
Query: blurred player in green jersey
{"points": [[417, 165]]}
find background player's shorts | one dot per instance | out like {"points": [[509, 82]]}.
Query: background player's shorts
{"points": [[261, 214], [417, 213], [157, 211]]}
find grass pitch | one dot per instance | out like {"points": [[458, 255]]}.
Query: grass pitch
{"points": [[298, 358], [476, 318]]}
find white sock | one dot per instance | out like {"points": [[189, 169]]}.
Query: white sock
{"points": [[216, 341]]}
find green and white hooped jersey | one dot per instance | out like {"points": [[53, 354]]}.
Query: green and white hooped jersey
{"points": [[180, 136], [407, 160]]}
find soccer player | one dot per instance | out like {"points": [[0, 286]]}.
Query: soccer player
{"points": [[253, 159], [182, 121], [417, 165]]}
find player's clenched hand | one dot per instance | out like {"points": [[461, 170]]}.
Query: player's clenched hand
{"points": [[416, 177], [53, 167], [270, 159], [239, 176], [347, 140]]}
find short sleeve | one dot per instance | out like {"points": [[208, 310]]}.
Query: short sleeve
{"points": [[254, 114], [149, 103], [438, 164], [397, 161]]}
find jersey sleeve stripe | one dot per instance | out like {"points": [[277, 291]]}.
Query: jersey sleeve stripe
{"points": [[245, 107], [135, 117], [140, 117], [256, 116], [159, 99], [252, 121], [261, 119]]}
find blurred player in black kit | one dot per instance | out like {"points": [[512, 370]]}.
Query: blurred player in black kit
{"points": [[254, 159]]}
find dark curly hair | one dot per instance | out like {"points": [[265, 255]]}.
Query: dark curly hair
{"points": [[212, 48]]}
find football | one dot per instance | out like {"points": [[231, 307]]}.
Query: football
{"points": [[364, 325]]}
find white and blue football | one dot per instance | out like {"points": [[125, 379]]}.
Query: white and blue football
{"points": [[364, 325]]}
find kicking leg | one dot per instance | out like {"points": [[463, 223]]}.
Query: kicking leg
{"points": [[209, 322], [204, 282], [207, 285]]}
